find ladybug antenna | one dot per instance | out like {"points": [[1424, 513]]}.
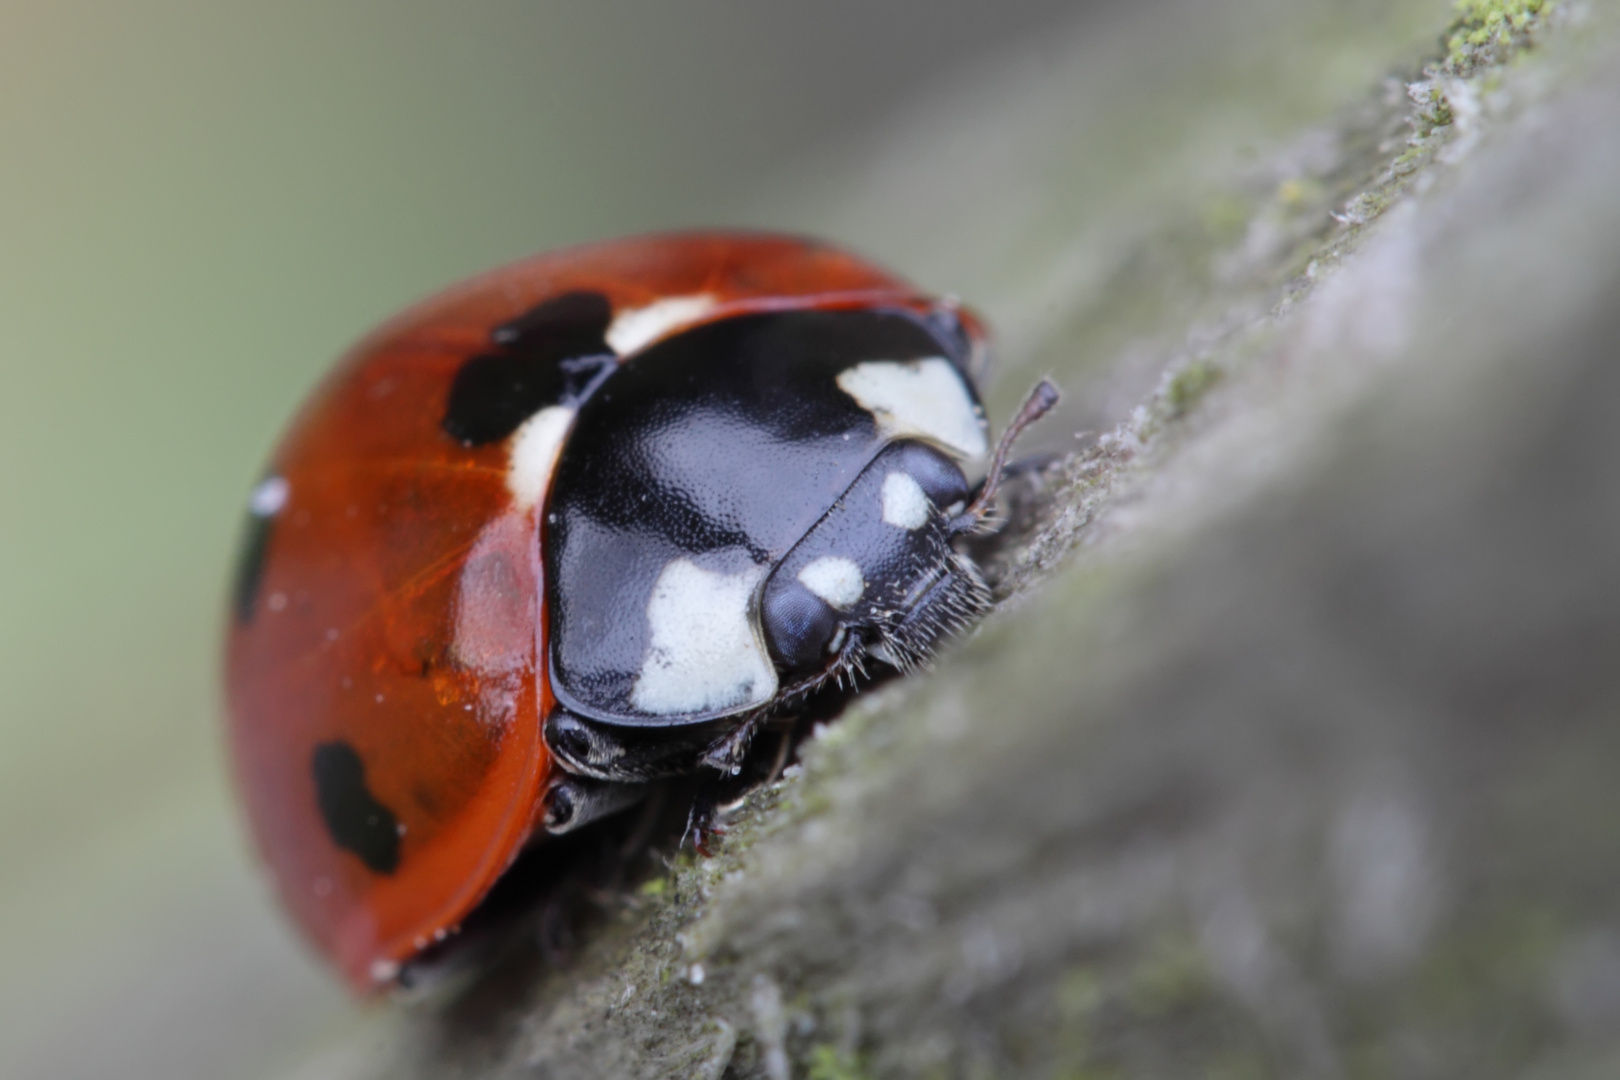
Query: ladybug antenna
{"points": [[1038, 404]]}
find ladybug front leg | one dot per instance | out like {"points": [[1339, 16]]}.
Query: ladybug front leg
{"points": [[722, 763], [703, 820], [727, 753]]}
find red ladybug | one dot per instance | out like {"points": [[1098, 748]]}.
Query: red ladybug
{"points": [[573, 525]]}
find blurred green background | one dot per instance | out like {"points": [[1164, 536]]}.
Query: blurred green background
{"points": [[201, 204]]}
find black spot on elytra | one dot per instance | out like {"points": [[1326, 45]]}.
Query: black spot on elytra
{"points": [[528, 370], [354, 817]]}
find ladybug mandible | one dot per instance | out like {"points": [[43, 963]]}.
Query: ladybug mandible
{"points": [[574, 525]]}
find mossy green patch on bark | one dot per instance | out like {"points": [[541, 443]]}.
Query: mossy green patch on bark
{"points": [[1172, 972], [1479, 996], [828, 1062], [1489, 31], [1188, 386]]}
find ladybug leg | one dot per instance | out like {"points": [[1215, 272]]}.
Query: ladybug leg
{"points": [[607, 890], [705, 821], [726, 754], [624, 755], [784, 747], [702, 823], [573, 801]]}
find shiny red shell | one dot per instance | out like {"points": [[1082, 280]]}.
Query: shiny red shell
{"points": [[395, 606]]}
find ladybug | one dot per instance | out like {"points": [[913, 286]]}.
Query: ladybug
{"points": [[575, 525]]}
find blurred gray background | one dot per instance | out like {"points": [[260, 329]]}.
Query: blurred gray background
{"points": [[201, 204]]}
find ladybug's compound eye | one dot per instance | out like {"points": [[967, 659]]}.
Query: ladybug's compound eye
{"points": [[799, 626]]}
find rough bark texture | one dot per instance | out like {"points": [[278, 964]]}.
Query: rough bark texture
{"points": [[1293, 750]]}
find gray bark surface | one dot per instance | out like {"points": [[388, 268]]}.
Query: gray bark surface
{"points": [[1294, 746]]}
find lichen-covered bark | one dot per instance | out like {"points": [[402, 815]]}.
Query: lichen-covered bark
{"points": [[1293, 750]]}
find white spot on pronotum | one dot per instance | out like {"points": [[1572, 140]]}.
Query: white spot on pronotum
{"points": [[535, 446], [905, 504], [704, 653], [276, 601], [636, 328], [835, 579], [926, 398], [695, 975], [269, 497]]}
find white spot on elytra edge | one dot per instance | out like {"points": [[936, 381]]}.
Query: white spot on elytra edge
{"points": [[695, 975], [269, 497], [904, 502], [383, 970], [926, 398], [535, 446], [835, 579], [634, 329], [704, 653]]}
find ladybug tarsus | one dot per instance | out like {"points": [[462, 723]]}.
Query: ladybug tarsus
{"points": [[727, 753], [703, 827]]}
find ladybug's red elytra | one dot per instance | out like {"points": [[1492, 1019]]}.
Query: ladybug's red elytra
{"points": [[574, 525]]}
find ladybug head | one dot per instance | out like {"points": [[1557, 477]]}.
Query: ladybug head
{"points": [[877, 576]]}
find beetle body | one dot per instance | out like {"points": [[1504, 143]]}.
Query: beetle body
{"points": [[570, 526]]}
